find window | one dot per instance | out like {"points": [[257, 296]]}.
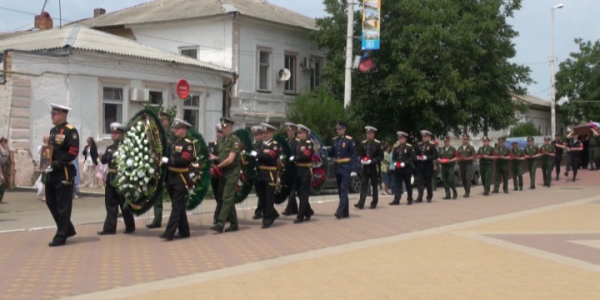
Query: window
{"points": [[263, 70], [315, 75], [290, 64], [191, 110], [112, 107], [189, 52], [156, 97], [2, 68]]}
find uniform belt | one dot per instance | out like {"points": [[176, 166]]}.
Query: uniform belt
{"points": [[304, 165], [112, 170], [179, 170], [342, 160], [267, 168]]}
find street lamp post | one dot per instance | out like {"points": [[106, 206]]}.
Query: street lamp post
{"points": [[552, 59]]}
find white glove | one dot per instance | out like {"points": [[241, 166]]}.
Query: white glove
{"points": [[353, 174], [48, 169], [292, 158], [368, 162], [424, 157], [402, 165], [253, 153], [165, 160], [362, 162]]}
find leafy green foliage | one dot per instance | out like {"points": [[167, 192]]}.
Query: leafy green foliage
{"points": [[200, 170], [248, 175], [287, 175], [442, 64], [524, 129], [579, 79]]}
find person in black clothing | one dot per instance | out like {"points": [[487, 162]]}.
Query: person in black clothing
{"points": [[302, 156], [64, 141], [292, 130], [574, 149], [112, 199], [258, 132], [403, 156], [559, 146], [371, 155], [426, 154], [182, 152], [268, 154], [213, 148]]}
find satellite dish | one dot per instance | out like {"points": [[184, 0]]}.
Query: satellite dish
{"points": [[284, 75]]}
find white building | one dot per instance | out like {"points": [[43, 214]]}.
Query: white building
{"points": [[253, 37], [104, 78]]}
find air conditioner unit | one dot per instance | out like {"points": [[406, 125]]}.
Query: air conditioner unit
{"points": [[139, 95]]}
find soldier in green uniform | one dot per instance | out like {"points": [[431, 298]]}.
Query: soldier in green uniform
{"points": [[594, 148], [486, 160], [165, 121], [517, 156], [228, 170], [547, 152], [532, 152], [502, 155], [436, 169], [466, 155], [447, 162]]}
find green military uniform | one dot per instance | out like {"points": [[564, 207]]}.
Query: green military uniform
{"points": [[531, 161], [229, 178], [594, 150], [502, 153], [448, 153], [548, 152], [485, 166], [517, 167], [466, 165]]}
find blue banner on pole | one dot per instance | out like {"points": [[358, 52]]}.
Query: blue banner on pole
{"points": [[371, 24]]}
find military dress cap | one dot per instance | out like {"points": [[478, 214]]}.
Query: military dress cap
{"points": [[268, 127], [164, 115], [225, 121], [547, 138], [501, 139], [530, 138], [370, 128], [341, 124], [57, 107], [402, 133], [485, 138], [302, 127], [447, 138], [257, 129], [117, 127], [290, 125], [425, 132], [181, 123], [218, 126]]}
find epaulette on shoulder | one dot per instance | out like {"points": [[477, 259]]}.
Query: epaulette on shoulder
{"points": [[308, 141], [407, 144], [188, 140], [377, 141], [337, 137], [348, 137], [433, 143], [274, 142], [365, 141], [297, 139], [69, 126]]}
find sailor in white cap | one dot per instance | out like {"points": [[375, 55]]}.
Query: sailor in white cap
{"points": [[182, 153], [403, 158], [292, 205], [426, 154], [213, 148], [370, 153], [302, 156], [258, 132], [64, 140], [268, 154], [113, 201]]}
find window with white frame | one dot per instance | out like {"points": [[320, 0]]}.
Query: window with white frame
{"points": [[315, 74], [156, 96], [290, 64], [264, 66], [189, 52], [112, 107], [191, 111]]}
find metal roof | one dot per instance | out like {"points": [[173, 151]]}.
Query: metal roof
{"points": [[533, 100], [171, 10], [83, 38]]}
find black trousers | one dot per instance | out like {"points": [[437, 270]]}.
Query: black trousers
{"points": [[260, 205], [366, 176], [403, 176], [113, 201], [574, 161], [178, 219], [302, 186], [267, 191], [59, 199], [424, 181], [292, 205], [557, 160], [218, 193]]}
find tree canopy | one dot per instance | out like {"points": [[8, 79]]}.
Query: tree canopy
{"points": [[524, 129], [578, 78], [442, 65]]}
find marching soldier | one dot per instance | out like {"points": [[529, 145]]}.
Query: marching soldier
{"points": [[291, 130], [547, 152], [486, 159], [502, 154], [594, 148], [559, 147], [426, 154], [181, 154], [466, 155], [64, 140], [258, 132], [302, 156], [228, 171], [436, 168], [403, 156], [112, 199], [531, 154], [447, 161], [165, 121], [574, 151], [268, 155], [371, 155], [213, 148], [517, 165], [344, 156]]}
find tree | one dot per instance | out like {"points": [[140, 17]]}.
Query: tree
{"points": [[442, 64], [524, 129], [578, 78]]}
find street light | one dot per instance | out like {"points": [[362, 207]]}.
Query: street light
{"points": [[552, 58]]}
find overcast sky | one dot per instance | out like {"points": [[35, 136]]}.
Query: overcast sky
{"points": [[578, 18]]}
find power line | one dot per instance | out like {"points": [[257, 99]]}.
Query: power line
{"points": [[542, 91], [25, 12], [15, 29]]}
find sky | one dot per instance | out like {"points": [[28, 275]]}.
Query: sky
{"points": [[576, 19]]}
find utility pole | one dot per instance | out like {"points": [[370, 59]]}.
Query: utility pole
{"points": [[349, 42], [552, 58]]}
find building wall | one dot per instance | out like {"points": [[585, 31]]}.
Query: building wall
{"points": [[77, 81]]}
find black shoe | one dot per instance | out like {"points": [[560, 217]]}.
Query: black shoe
{"points": [[419, 200], [428, 200], [232, 229], [395, 202], [454, 196], [268, 223], [506, 191], [494, 192], [128, 231], [217, 229], [256, 217], [182, 236], [337, 216], [358, 206], [307, 218], [153, 225], [532, 187], [287, 213], [372, 206], [486, 193], [446, 198], [298, 221], [71, 234], [165, 237], [105, 233], [56, 243]]}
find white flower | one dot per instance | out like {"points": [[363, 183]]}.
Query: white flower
{"points": [[151, 171], [130, 162], [144, 188], [140, 174], [146, 158]]}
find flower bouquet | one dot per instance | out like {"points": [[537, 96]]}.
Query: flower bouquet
{"points": [[320, 163], [199, 171], [287, 175], [248, 168]]}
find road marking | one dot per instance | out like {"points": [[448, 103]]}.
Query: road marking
{"points": [[13, 230]]}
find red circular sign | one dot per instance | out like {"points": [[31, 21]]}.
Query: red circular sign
{"points": [[183, 88]]}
